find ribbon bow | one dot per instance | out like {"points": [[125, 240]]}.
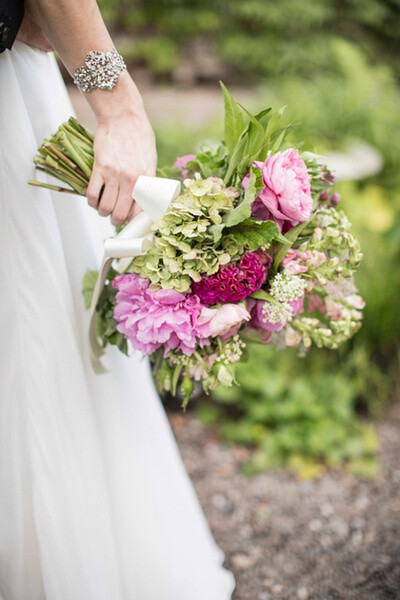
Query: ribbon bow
{"points": [[154, 195]]}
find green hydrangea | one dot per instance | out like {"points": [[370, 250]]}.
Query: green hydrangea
{"points": [[330, 233], [184, 246]]}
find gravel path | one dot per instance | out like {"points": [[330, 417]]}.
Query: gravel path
{"points": [[336, 538]]}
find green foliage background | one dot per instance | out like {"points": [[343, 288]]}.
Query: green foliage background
{"points": [[262, 38], [335, 63]]}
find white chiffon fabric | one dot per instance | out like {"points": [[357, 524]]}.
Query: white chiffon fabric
{"points": [[95, 503]]}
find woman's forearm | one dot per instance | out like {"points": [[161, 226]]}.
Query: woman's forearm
{"points": [[74, 27], [124, 143]]}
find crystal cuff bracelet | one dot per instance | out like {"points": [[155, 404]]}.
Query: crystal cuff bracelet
{"points": [[100, 70]]}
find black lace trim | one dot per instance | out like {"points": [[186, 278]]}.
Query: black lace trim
{"points": [[11, 14], [5, 26]]}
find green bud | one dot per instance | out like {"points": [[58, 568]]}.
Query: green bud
{"points": [[224, 376]]}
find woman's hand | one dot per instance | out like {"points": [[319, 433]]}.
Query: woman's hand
{"points": [[124, 145], [124, 148], [30, 33]]}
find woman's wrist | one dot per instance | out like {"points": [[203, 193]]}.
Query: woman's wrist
{"points": [[123, 99]]}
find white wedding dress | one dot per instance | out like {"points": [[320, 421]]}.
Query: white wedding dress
{"points": [[95, 503]]}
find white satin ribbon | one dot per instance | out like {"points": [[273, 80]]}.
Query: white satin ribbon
{"points": [[154, 195]]}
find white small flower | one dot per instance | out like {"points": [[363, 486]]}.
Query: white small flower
{"points": [[286, 287], [277, 313]]}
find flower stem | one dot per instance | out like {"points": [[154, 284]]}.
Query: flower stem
{"points": [[55, 188]]}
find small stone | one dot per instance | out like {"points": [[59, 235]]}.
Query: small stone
{"points": [[241, 453], [340, 527], [302, 593], [225, 470], [326, 541], [356, 538], [264, 596], [277, 589], [396, 475], [242, 561], [315, 525], [362, 502], [327, 510], [222, 502], [307, 487], [246, 532], [395, 506], [358, 523]]}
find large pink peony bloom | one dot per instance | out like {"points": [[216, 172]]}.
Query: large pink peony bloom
{"points": [[234, 282], [151, 319], [286, 197]]}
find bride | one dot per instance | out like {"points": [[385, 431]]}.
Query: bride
{"points": [[95, 503]]}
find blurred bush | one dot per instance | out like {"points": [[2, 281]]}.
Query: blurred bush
{"points": [[297, 413], [261, 38]]}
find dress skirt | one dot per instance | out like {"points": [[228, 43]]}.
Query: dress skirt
{"points": [[95, 502]]}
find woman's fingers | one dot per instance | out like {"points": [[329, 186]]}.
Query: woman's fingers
{"points": [[124, 201], [109, 197], [124, 148], [95, 188]]}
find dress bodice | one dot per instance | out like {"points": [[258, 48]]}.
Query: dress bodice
{"points": [[11, 13]]}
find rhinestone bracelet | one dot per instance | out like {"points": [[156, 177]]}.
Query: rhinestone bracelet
{"points": [[101, 70]]}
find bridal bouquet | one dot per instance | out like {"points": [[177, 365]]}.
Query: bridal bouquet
{"points": [[254, 249]]}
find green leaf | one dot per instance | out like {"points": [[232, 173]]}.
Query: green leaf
{"points": [[243, 210], [255, 137], [187, 387], [263, 295], [210, 162], [234, 120], [88, 285], [118, 339], [216, 232], [279, 136], [236, 157], [254, 233], [287, 242], [175, 378], [169, 172], [261, 116]]}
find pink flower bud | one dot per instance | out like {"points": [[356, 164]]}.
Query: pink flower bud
{"points": [[324, 196]]}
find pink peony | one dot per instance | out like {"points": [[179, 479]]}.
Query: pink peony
{"points": [[233, 283], [182, 161], [286, 197], [151, 319], [224, 321]]}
